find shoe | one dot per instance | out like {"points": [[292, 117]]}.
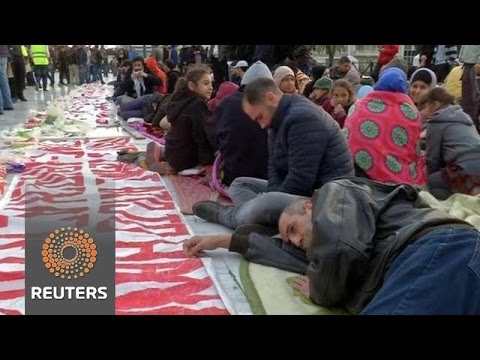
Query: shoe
{"points": [[37, 87], [23, 99], [207, 210], [8, 108]]}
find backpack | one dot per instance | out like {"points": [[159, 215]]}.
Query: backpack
{"points": [[161, 111], [150, 109]]}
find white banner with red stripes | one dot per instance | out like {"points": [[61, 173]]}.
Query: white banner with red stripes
{"points": [[152, 274]]}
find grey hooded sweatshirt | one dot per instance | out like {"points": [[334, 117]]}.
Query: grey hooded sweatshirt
{"points": [[452, 137]]}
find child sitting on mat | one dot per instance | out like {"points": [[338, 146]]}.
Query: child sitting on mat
{"points": [[186, 144]]}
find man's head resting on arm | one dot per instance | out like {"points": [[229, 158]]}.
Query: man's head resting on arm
{"points": [[295, 227], [295, 224]]}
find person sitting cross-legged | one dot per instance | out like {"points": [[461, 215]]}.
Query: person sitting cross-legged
{"points": [[306, 149]]}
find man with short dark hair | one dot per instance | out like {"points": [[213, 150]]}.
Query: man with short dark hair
{"points": [[172, 75], [137, 82], [345, 70], [372, 248], [238, 71], [306, 149]]}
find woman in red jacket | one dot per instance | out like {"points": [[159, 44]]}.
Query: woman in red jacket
{"points": [[385, 54], [151, 64]]}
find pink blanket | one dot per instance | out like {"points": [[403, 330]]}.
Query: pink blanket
{"points": [[147, 131]]}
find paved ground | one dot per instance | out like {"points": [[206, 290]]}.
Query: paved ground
{"points": [[226, 264]]}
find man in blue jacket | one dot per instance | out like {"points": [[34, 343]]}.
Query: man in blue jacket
{"points": [[306, 149]]}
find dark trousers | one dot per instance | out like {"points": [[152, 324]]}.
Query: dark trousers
{"points": [[13, 92], [18, 68], [471, 93], [63, 73]]}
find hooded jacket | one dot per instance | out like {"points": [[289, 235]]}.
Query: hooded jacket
{"points": [[387, 53], [151, 64], [186, 143], [452, 137], [240, 140]]}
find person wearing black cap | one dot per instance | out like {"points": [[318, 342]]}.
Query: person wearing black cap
{"points": [[421, 81]]}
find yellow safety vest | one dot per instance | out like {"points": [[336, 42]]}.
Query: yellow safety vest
{"points": [[24, 51], [39, 54]]}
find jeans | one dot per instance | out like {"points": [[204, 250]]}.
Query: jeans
{"points": [[97, 73], [51, 74], [253, 205], [41, 72], [439, 274], [5, 96], [134, 107]]}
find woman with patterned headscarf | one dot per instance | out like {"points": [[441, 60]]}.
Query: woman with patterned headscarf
{"points": [[382, 131]]}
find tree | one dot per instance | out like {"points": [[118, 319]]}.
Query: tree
{"points": [[330, 50]]}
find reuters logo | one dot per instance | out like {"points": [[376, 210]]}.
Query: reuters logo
{"points": [[69, 253]]}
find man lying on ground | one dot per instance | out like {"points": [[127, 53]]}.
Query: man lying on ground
{"points": [[369, 247]]}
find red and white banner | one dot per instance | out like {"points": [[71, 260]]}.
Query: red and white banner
{"points": [[152, 274]]}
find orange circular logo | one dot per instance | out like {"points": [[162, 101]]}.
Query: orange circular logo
{"points": [[69, 253]]}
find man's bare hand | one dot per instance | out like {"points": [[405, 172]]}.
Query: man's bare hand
{"points": [[302, 284], [196, 245]]}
